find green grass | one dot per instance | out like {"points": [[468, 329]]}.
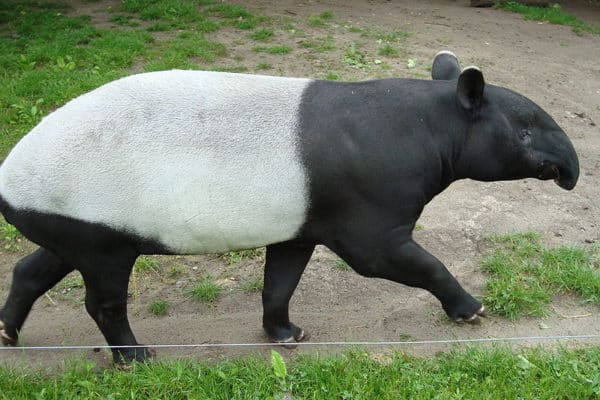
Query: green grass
{"points": [[11, 237], [524, 275], [321, 45], [554, 15], [388, 51], [207, 290], [355, 57], [159, 307], [320, 20], [341, 265], [253, 285], [476, 373], [262, 35], [280, 49], [263, 66], [234, 257], [145, 264]]}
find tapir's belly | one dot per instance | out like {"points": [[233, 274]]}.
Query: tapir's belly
{"points": [[199, 162]]}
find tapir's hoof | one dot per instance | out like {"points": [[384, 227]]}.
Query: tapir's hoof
{"points": [[474, 319], [6, 339], [125, 356], [290, 343]]}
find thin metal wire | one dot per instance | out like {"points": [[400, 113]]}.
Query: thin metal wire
{"points": [[357, 343]]}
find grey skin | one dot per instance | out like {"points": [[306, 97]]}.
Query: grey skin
{"points": [[375, 154]]}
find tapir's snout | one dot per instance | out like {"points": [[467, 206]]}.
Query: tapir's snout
{"points": [[561, 163]]}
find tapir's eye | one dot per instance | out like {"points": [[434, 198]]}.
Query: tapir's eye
{"points": [[524, 133]]}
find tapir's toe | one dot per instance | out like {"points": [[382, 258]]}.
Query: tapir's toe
{"points": [[474, 319], [5, 338], [290, 342]]}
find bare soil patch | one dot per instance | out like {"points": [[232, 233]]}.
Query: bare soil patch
{"points": [[550, 64]]}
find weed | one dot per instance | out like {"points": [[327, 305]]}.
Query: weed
{"points": [[207, 26], [11, 236], [388, 51], [332, 76], [207, 290], [319, 20], [253, 285], [355, 57], [159, 307], [124, 20], [72, 281], [234, 257], [341, 265], [262, 35], [27, 113], [263, 66], [231, 11], [146, 264], [554, 15], [175, 271], [320, 45], [524, 275], [272, 49], [392, 36]]}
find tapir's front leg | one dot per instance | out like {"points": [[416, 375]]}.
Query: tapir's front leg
{"points": [[398, 258], [410, 264]]}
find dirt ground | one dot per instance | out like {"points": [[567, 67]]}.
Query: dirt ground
{"points": [[550, 64]]}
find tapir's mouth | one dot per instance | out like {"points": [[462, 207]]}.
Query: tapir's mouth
{"points": [[549, 170]]}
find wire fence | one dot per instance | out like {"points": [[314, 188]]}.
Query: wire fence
{"points": [[315, 344]]}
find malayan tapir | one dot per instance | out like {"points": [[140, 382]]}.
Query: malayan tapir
{"points": [[189, 162]]}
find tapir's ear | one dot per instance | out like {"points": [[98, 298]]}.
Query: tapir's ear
{"points": [[445, 66], [469, 89]]}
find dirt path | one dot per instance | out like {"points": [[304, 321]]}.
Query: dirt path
{"points": [[550, 64]]}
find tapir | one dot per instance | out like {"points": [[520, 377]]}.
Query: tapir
{"points": [[192, 162]]}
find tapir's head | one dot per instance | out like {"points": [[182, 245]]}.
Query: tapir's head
{"points": [[507, 136]]}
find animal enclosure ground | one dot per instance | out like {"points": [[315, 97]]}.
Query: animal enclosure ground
{"points": [[352, 40]]}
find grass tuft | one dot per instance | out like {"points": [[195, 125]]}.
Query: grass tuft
{"points": [[525, 275], [554, 15], [207, 290], [253, 285], [145, 264], [234, 257], [272, 49], [388, 51], [10, 236], [262, 35], [159, 307], [341, 265]]}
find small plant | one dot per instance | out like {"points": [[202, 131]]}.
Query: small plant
{"points": [[146, 264], [320, 45], [11, 237], [207, 26], [355, 57], [263, 66], [159, 307], [234, 257], [175, 271], [272, 49], [332, 76], [27, 113], [262, 35], [254, 285], [341, 265], [388, 51], [207, 290], [319, 20], [72, 281]]}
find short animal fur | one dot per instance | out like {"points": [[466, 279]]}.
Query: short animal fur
{"points": [[187, 162]]}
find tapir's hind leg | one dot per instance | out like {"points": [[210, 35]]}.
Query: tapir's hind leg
{"points": [[285, 263], [33, 276], [106, 278]]}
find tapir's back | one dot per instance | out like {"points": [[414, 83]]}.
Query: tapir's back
{"points": [[199, 161]]}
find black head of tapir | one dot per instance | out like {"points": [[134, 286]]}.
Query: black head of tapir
{"points": [[507, 136]]}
